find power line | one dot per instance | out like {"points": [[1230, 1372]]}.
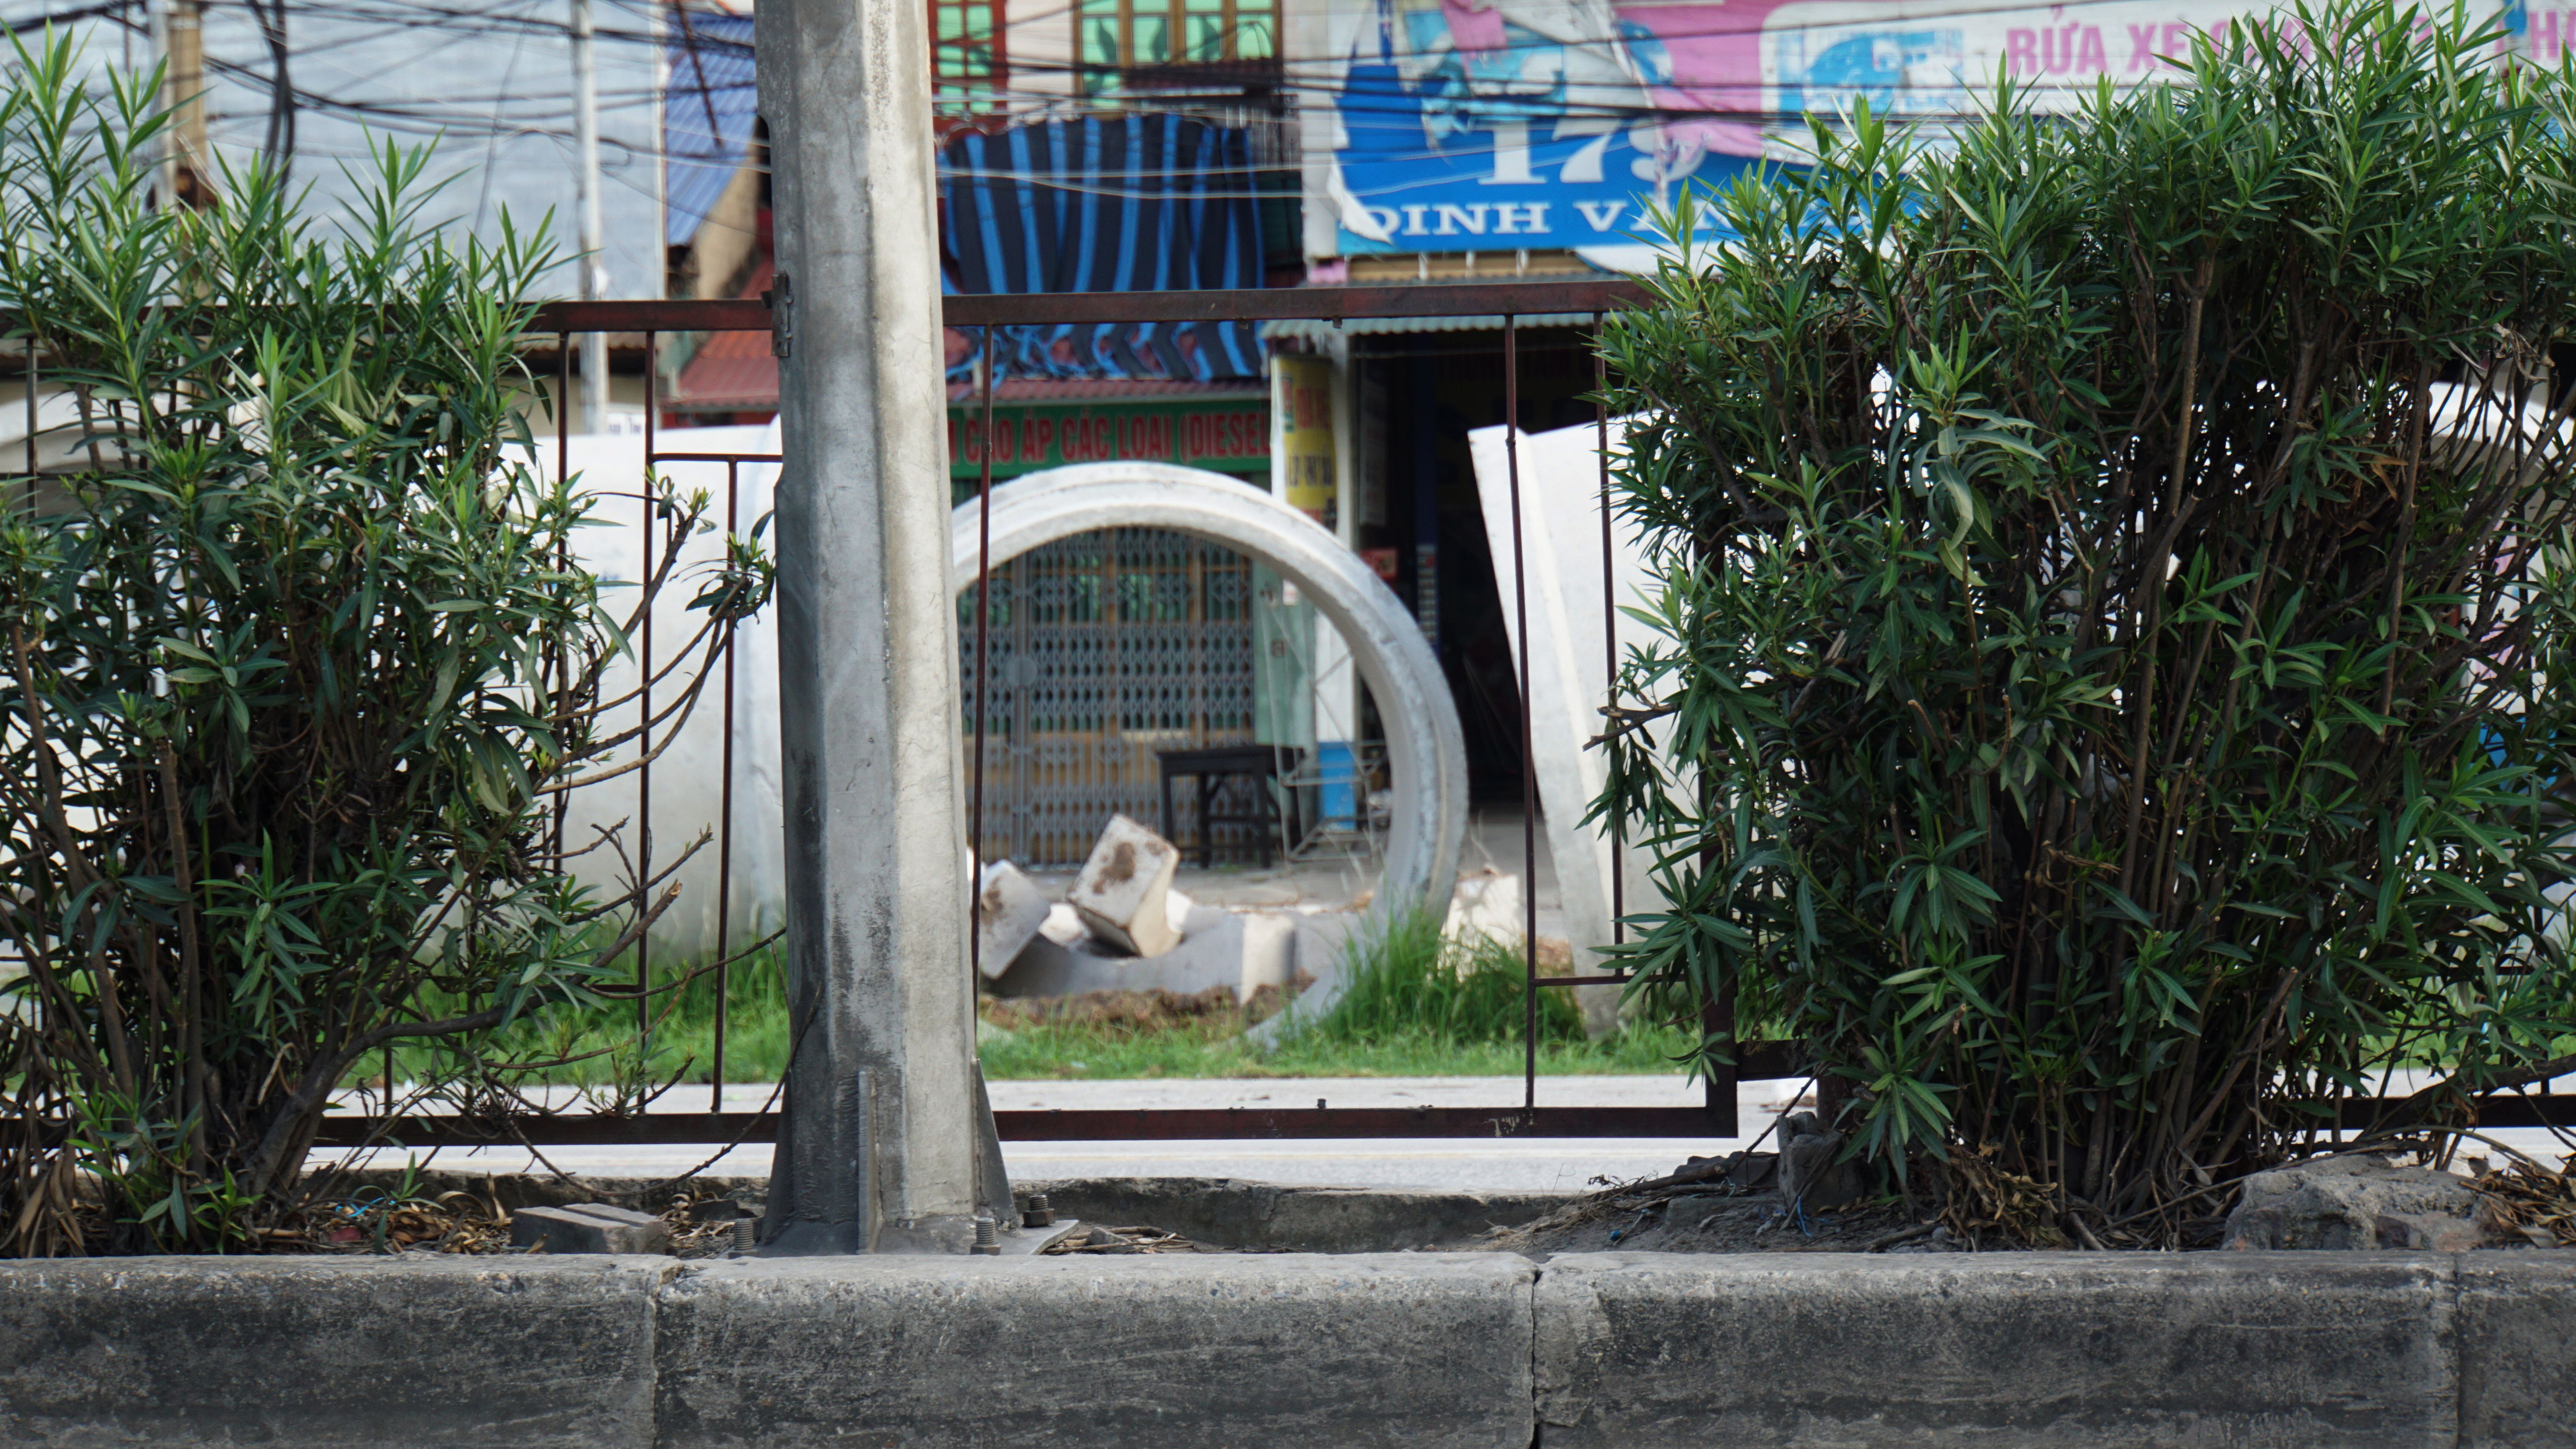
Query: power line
{"points": [[511, 112]]}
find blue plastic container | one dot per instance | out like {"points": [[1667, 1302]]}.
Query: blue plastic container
{"points": [[1341, 793]]}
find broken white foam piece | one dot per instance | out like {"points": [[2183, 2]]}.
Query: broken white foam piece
{"points": [[1269, 953], [1486, 908], [1008, 911], [1064, 925], [1121, 889]]}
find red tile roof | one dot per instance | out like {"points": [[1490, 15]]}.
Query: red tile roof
{"points": [[731, 371]]}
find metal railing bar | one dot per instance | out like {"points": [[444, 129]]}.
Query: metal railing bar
{"points": [[1609, 624], [644, 735], [1268, 304], [563, 552], [983, 675], [1219, 304], [1239, 304], [1057, 1125], [638, 314], [724, 819], [1219, 1123], [1529, 756]]}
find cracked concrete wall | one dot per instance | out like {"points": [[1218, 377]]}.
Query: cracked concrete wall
{"points": [[1465, 1350]]}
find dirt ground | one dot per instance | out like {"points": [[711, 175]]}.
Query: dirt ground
{"points": [[1712, 1220]]}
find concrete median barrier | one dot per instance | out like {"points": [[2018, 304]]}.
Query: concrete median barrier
{"points": [[1285, 1350], [2517, 1345], [1168, 1351], [412, 1350], [2062, 1350]]}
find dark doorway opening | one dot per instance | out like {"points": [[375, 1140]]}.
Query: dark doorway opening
{"points": [[1421, 518]]}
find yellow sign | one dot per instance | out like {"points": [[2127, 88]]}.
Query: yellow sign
{"points": [[1306, 437]]}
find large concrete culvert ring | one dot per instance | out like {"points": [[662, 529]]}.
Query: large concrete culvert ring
{"points": [[1425, 750]]}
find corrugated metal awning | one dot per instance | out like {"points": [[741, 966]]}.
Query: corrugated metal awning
{"points": [[707, 114], [1019, 390], [1313, 330]]}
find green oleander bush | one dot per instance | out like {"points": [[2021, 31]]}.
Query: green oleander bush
{"points": [[293, 669], [2107, 695]]}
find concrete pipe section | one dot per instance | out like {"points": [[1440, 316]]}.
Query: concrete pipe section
{"points": [[1424, 746]]}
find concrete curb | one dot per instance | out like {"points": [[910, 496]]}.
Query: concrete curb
{"points": [[2059, 1349], [2279, 1349], [1368, 1349], [2516, 1337], [413, 1350]]}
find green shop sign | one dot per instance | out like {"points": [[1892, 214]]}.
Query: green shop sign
{"points": [[1225, 434]]}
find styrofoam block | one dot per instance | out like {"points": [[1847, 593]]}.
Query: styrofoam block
{"points": [[1319, 950], [1064, 925], [1009, 909], [1121, 889], [1486, 907]]}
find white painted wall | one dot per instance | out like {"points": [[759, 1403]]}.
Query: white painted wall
{"points": [[688, 779]]}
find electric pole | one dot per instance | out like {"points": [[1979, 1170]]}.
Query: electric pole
{"points": [[882, 1143], [594, 276], [179, 47]]}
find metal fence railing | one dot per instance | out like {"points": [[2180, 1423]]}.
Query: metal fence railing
{"points": [[656, 321]]}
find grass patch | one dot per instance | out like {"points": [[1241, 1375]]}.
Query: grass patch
{"points": [[1412, 1010], [1092, 1053], [1407, 984], [604, 1038]]}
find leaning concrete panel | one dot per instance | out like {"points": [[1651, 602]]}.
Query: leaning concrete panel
{"points": [[1168, 1352], [402, 1352], [1569, 663], [2517, 1335], [2059, 1350]]}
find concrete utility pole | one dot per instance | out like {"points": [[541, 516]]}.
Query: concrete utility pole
{"points": [[179, 44], [885, 1130], [594, 277]]}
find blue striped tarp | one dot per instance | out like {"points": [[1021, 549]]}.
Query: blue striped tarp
{"points": [[1106, 204]]}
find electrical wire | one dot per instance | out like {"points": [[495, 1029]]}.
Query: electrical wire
{"points": [[1296, 77], [546, 112]]}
